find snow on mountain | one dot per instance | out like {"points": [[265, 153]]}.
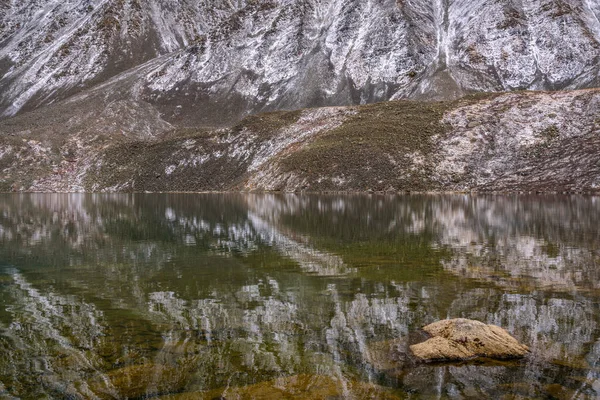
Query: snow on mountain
{"points": [[214, 62]]}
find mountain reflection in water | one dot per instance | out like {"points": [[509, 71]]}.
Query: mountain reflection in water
{"points": [[293, 296]]}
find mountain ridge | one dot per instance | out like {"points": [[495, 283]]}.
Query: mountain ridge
{"points": [[212, 64], [123, 95]]}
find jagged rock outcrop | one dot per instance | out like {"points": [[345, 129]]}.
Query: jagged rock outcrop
{"points": [[215, 62], [462, 339]]}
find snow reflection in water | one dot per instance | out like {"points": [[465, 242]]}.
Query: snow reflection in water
{"points": [[124, 296]]}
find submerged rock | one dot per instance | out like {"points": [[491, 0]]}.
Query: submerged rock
{"points": [[137, 381], [302, 386], [463, 339], [388, 354]]}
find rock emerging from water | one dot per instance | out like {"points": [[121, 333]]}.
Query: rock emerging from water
{"points": [[462, 339]]}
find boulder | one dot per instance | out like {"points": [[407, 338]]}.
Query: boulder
{"points": [[463, 339]]}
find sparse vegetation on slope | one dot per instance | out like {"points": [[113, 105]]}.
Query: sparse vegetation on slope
{"points": [[526, 141]]}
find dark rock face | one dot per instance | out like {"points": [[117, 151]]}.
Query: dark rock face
{"points": [[215, 62], [463, 339]]}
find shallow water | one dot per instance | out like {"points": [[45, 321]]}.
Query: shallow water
{"points": [[286, 296]]}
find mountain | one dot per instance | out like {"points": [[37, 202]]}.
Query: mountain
{"points": [[212, 63], [125, 95], [511, 142]]}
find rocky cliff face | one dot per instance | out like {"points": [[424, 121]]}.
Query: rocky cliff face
{"points": [[214, 62]]}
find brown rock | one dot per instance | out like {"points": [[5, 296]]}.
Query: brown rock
{"points": [[462, 339], [439, 348]]}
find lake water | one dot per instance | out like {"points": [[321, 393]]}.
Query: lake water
{"points": [[293, 296]]}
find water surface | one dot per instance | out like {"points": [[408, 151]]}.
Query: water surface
{"points": [[293, 296]]}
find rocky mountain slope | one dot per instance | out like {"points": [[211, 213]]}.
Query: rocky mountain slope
{"points": [[214, 62], [111, 95], [522, 141]]}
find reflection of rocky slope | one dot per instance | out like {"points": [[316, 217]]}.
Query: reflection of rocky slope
{"points": [[534, 241], [212, 287], [538, 241], [309, 259], [512, 142], [50, 335], [264, 340]]}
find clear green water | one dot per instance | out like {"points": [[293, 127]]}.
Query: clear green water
{"points": [[285, 296]]}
